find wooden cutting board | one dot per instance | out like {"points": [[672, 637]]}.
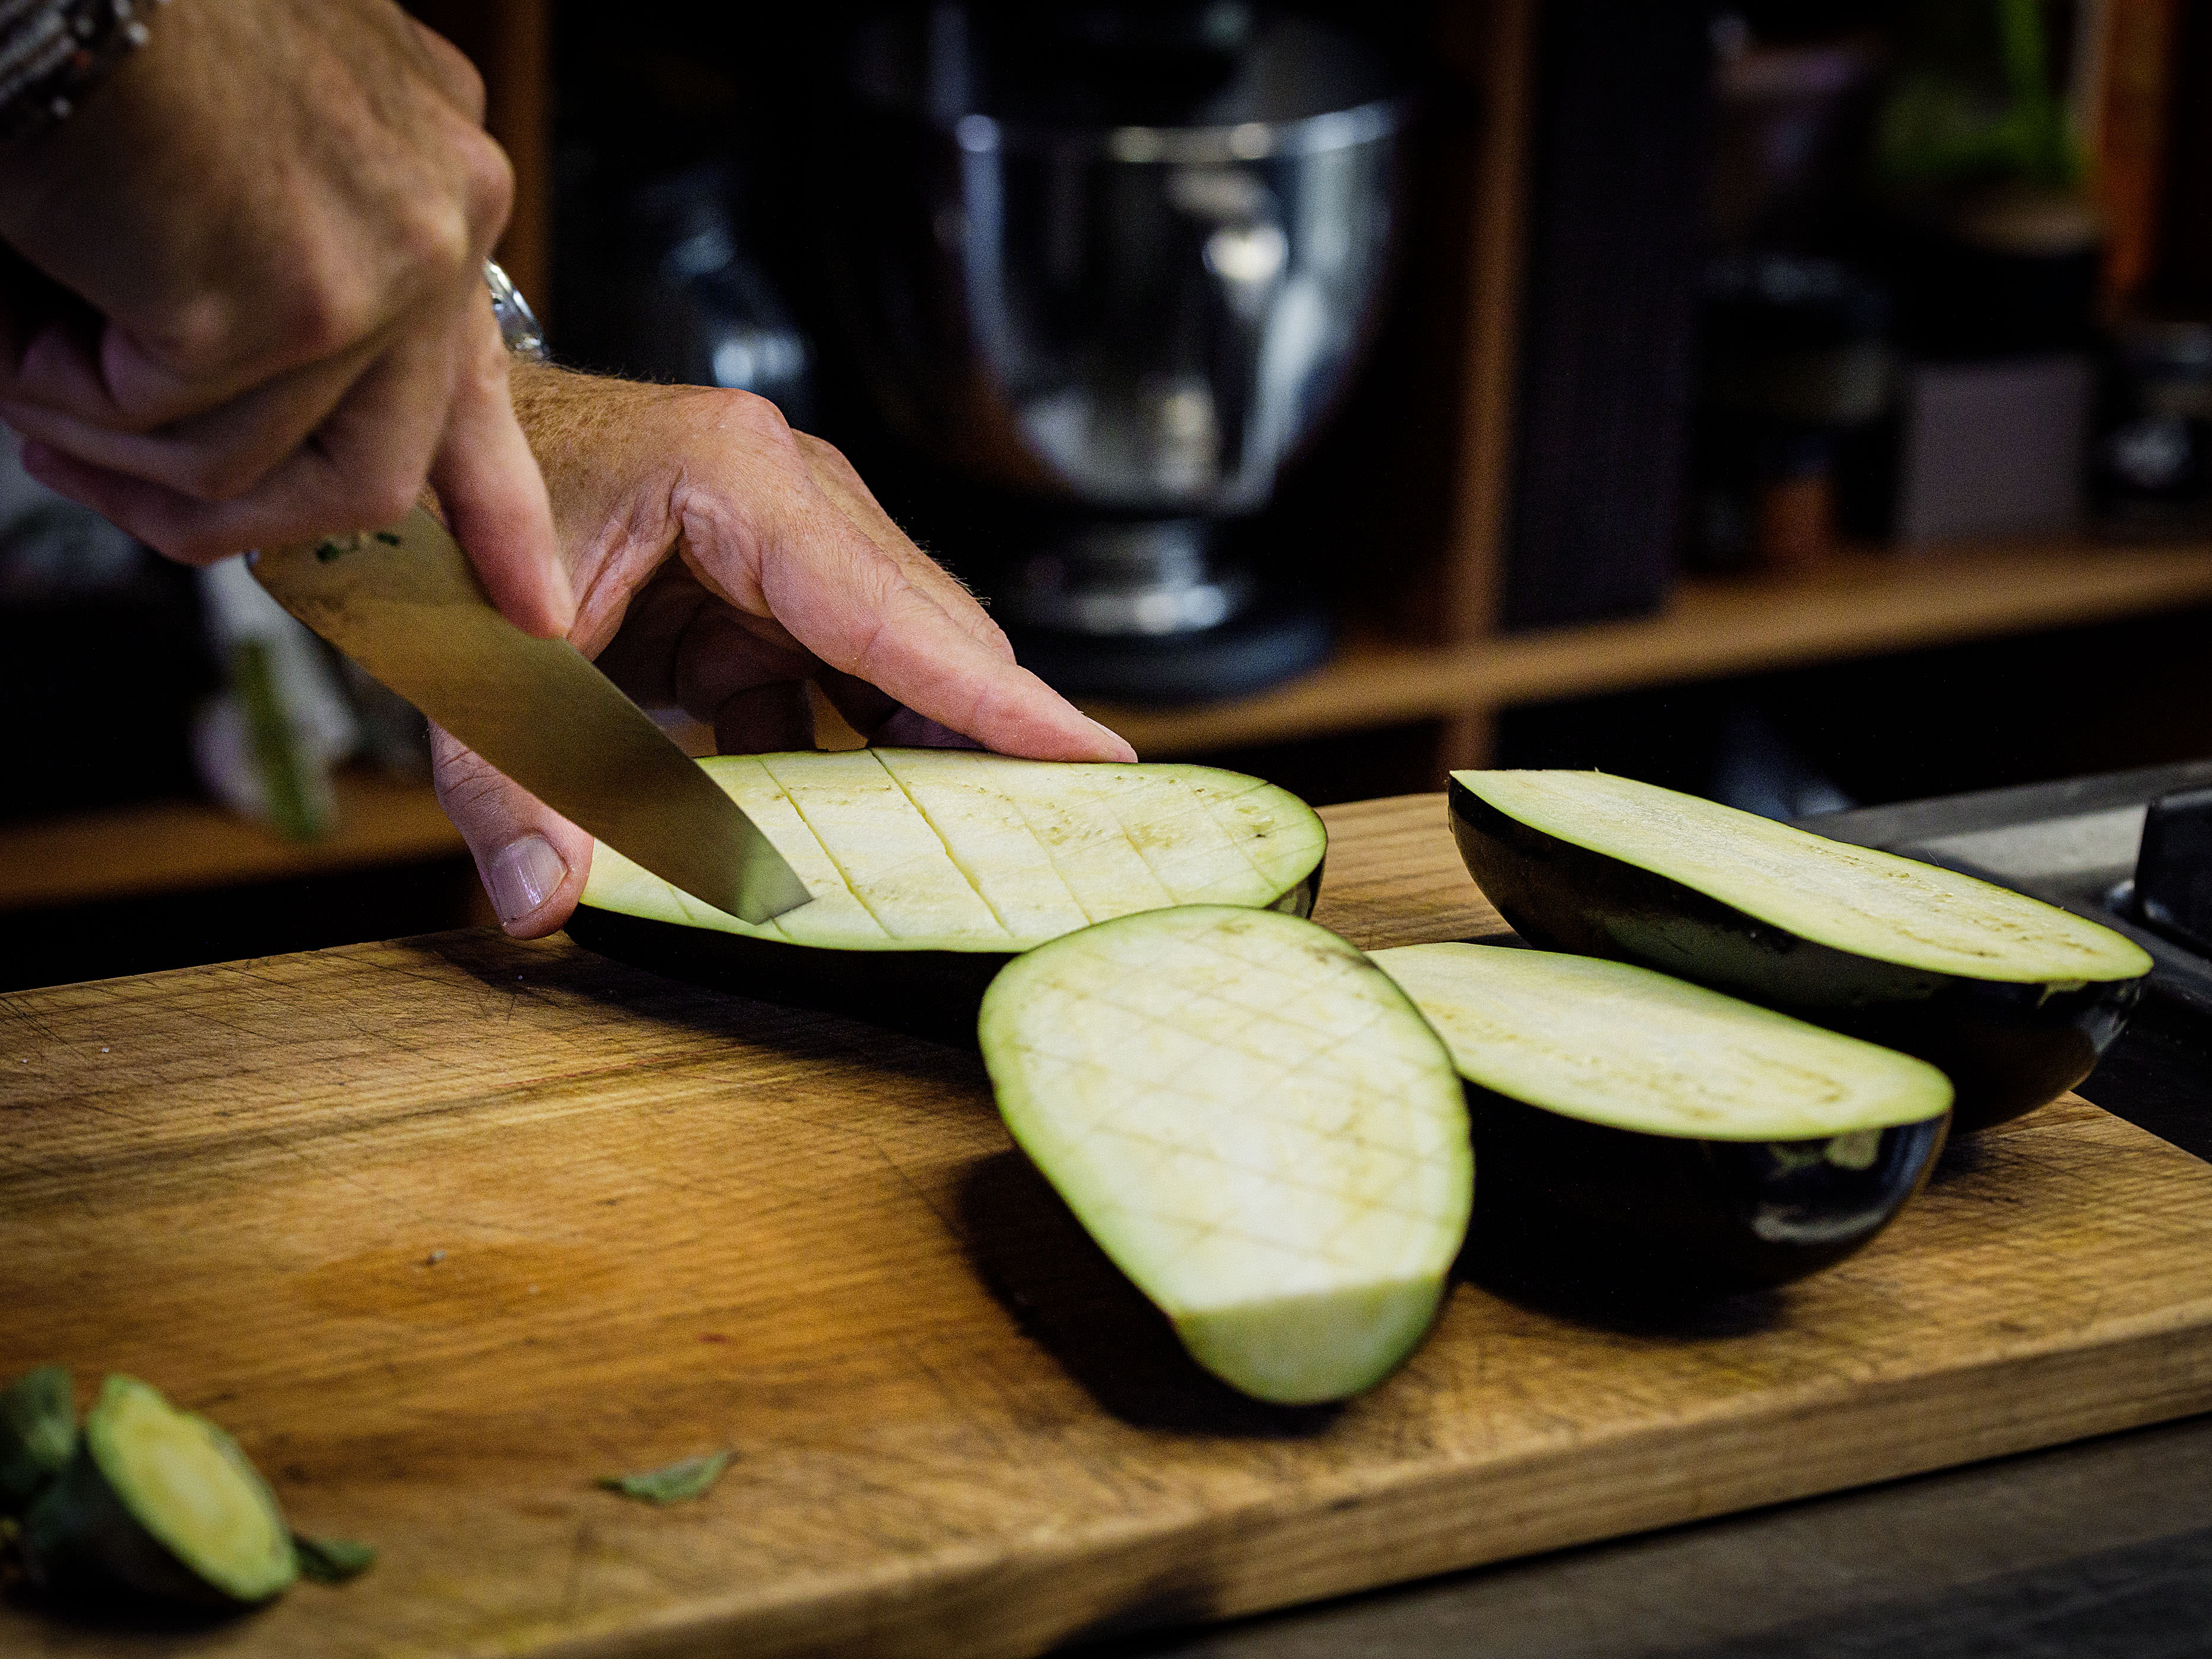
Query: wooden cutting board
{"points": [[444, 1228]]}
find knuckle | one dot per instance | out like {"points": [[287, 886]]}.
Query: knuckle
{"points": [[460, 774], [329, 313], [449, 757], [465, 782], [202, 339], [487, 180], [456, 81], [867, 646], [464, 82], [384, 498], [444, 234], [438, 243], [754, 417]]}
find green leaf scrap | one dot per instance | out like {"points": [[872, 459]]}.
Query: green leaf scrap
{"points": [[332, 1560], [688, 1477], [38, 1434]]}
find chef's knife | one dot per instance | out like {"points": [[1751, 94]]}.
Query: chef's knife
{"points": [[404, 605]]}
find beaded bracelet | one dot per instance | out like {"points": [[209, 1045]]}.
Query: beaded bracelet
{"points": [[52, 52]]}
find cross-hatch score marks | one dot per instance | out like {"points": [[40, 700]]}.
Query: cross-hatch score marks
{"points": [[953, 849]]}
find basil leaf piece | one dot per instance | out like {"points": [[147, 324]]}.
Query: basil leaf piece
{"points": [[332, 1560], [38, 1435], [686, 1478]]}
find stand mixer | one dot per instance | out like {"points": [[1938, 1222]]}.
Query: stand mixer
{"points": [[1109, 266]]}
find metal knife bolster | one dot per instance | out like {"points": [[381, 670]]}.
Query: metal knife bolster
{"points": [[404, 603]]}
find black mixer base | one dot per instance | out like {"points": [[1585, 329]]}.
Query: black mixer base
{"points": [[1277, 641]]}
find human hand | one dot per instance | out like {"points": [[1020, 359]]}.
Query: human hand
{"points": [[246, 305], [722, 561]]}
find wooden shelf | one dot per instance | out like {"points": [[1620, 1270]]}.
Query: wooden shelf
{"points": [[1857, 604], [172, 846]]}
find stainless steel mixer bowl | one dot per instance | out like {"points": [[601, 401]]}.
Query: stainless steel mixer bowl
{"points": [[1145, 318]]}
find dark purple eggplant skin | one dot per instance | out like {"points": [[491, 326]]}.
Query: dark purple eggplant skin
{"points": [[934, 993], [2007, 1048], [1570, 1203], [82, 1546]]}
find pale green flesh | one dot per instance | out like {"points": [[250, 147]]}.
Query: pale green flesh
{"points": [[1848, 898], [1254, 1124], [1624, 1047], [186, 1483], [927, 849]]}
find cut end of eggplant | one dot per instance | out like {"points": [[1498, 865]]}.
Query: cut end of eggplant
{"points": [[1303, 1351], [160, 1502], [2013, 999], [952, 850], [1254, 1125], [1635, 1130], [1848, 898], [1633, 1049]]}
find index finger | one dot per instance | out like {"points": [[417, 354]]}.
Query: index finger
{"points": [[492, 493], [855, 606], [838, 479]]}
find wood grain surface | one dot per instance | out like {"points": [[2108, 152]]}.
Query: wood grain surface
{"points": [[443, 1228]]}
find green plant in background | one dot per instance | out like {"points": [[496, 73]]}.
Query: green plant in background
{"points": [[294, 778], [266, 746], [1974, 107]]}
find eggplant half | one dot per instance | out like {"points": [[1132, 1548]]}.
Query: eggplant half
{"points": [[931, 868], [1633, 1129], [2012, 998], [158, 1504], [1254, 1125]]}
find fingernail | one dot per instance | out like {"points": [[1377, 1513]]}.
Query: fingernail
{"points": [[524, 874], [1115, 739]]}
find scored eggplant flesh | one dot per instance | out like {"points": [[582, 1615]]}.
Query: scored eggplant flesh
{"points": [[923, 849], [1633, 1129], [1634, 1049], [1849, 898], [2013, 999], [929, 868], [1254, 1125]]}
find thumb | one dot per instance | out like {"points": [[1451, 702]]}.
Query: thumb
{"points": [[532, 860]]}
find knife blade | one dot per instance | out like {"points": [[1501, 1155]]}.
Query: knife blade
{"points": [[404, 603]]}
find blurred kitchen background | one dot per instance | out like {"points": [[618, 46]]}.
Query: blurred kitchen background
{"points": [[1805, 403]]}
